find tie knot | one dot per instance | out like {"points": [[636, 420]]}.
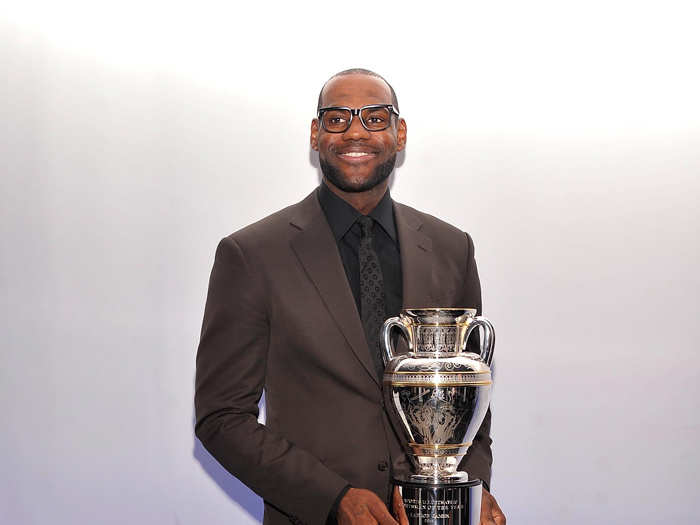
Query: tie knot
{"points": [[366, 224]]}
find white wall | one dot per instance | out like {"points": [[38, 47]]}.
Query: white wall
{"points": [[565, 137]]}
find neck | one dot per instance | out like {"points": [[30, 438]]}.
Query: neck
{"points": [[362, 201]]}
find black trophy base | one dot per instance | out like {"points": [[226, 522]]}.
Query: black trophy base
{"points": [[426, 503]]}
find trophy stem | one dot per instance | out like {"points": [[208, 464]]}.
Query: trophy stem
{"points": [[444, 467]]}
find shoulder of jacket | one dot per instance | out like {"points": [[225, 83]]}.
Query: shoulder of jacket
{"points": [[273, 228], [430, 223]]}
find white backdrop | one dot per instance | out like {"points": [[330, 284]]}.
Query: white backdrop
{"points": [[565, 137]]}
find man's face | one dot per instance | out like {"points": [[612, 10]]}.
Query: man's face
{"points": [[357, 160]]}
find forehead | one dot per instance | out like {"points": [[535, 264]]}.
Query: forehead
{"points": [[356, 91]]}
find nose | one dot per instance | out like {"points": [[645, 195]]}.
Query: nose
{"points": [[356, 131]]}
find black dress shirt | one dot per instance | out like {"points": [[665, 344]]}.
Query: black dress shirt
{"points": [[342, 218]]}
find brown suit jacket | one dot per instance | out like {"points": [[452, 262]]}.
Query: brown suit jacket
{"points": [[280, 315]]}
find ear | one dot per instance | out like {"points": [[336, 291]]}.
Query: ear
{"points": [[314, 134], [401, 135]]}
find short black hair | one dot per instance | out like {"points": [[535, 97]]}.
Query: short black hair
{"points": [[360, 71]]}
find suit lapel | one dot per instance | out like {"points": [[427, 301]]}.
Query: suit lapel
{"points": [[317, 251], [416, 259]]}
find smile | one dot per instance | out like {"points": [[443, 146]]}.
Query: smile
{"points": [[356, 156]]}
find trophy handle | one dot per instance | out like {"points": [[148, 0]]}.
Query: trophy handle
{"points": [[385, 339], [487, 341]]}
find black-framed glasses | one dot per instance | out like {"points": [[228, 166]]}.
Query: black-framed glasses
{"points": [[375, 117]]}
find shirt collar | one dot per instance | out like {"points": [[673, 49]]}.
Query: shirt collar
{"points": [[341, 215]]}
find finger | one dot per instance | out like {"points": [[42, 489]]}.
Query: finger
{"points": [[399, 509], [498, 517], [364, 518], [486, 517], [359, 514], [381, 513]]}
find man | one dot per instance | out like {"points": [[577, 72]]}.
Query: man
{"points": [[288, 311]]}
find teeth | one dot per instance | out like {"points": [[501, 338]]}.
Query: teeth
{"points": [[356, 154]]}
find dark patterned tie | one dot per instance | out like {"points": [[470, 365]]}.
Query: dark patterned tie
{"points": [[371, 293]]}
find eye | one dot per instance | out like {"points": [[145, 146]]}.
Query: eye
{"points": [[376, 118], [336, 119]]}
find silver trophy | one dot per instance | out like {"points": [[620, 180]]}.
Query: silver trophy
{"points": [[438, 394]]}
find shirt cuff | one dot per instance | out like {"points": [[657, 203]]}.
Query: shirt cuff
{"points": [[333, 514]]}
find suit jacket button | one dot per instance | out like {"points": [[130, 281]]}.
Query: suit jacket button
{"points": [[382, 466]]}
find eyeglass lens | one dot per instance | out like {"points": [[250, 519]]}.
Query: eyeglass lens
{"points": [[374, 119]]}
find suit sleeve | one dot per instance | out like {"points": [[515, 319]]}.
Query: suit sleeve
{"points": [[478, 459], [230, 376]]}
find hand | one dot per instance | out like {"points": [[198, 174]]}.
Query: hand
{"points": [[398, 508], [363, 507], [491, 513]]}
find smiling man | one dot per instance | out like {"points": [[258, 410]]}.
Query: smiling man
{"points": [[289, 311]]}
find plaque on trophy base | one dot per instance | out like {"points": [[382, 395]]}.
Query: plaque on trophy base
{"points": [[437, 394], [457, 503]]}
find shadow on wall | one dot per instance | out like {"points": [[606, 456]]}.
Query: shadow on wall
{"points": [[232, 487]]}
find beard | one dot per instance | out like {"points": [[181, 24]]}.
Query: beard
{"points": [[340, 181]]}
